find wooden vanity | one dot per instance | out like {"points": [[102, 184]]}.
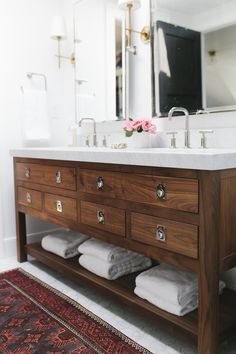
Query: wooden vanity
{"points": [[182, 217]]}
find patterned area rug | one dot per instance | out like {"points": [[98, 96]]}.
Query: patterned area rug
{"points": [[35, 318]]}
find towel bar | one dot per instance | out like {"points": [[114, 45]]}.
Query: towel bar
{"points": [[31, 74]]}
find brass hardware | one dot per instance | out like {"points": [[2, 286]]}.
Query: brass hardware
{"points": [[161, 192], [145, 33], [101, 217], [27, 172], [59, 206], [71, 58], [29, 198], [161, 233], [58, 177], [100, 183]]}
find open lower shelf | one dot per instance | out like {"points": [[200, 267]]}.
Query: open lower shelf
{"points": [[123, 289]]}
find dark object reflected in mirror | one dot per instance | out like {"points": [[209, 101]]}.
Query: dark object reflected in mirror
{"points": [[194, 55], [180, 81]]}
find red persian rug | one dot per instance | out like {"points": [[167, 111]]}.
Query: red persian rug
{"points": [[35, 318]]}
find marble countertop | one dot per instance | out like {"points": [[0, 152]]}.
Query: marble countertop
{"points": [[199, 159]]}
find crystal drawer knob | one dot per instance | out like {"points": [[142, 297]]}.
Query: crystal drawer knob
{"points": [[59, 206], [161, 233], [161, 192], [101, 217], [100, 183]]}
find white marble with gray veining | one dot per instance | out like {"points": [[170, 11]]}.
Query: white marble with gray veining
{"points": [[199, 159]]}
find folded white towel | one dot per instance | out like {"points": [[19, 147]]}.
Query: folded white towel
{"points": [[164, 304], [113, 271], [35, 115], [170, 283], [63, 243], [105, 251], [190, 304]]}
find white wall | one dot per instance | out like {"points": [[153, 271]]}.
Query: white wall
{"points": [[26, 46]]}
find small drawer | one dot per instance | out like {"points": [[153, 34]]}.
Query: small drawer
{"points": [[170, 235], [61, 206], [103, 217], [167, 192], [29, 198], [55, 176]]}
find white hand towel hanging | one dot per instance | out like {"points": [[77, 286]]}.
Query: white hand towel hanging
{"points": [[35, 115]]}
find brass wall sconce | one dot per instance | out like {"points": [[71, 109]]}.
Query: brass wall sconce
{"points": [[212, 55], [145, 33], [58, 33]]}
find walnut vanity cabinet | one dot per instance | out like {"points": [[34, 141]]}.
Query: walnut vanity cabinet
{"points": [[181, 217]]}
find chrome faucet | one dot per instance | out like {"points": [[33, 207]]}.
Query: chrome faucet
{"points": [[187, 130], [94, 129]]}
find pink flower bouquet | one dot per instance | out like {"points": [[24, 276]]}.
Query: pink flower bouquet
{"points": [[139, 126]]}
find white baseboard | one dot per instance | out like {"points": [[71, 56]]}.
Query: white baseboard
{"points": [[9, 244]]}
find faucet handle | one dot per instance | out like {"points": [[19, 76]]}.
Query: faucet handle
{"points": [[173, 139], [104, 141], [204, 138], [87, 141]]}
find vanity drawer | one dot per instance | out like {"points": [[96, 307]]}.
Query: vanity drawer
{"points": [[61, 206], [29, 198], [103, 217], [55, 176], [167, 192], [170, 235]]}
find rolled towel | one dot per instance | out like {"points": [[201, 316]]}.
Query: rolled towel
{"points": [[63, 243], [164, 304], [105, 251], [113, 271], [170, 283]]}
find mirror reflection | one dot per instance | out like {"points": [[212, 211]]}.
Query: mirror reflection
{"points": [[100, 60], [194, 52]]}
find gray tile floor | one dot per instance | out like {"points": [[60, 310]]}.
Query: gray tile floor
{"points": [[149, 336]]}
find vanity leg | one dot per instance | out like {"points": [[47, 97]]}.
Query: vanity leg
{"points": [[208, 313], [21, 237]]}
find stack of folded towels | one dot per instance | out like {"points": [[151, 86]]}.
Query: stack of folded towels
{"points": [[170, 289], [63, 243], [109, 261]]}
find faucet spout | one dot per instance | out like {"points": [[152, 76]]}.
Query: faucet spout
{"points": [[94, 128], [187, 128]]}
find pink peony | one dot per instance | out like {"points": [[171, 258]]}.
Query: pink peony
{"points": [[146, 125], [136, 124], [140, 125]]}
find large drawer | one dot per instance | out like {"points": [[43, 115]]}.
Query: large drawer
{"points": [[103, 217], [61, 206], [168, 192], [170, 235], [56, 176], [29, 198]]}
